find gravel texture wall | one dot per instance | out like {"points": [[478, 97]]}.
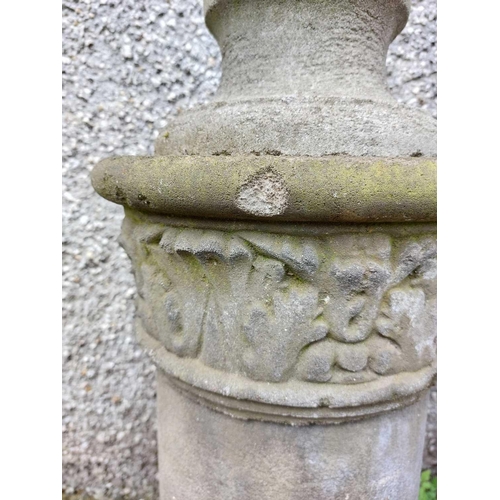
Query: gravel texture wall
{"points": [[129, 66]]}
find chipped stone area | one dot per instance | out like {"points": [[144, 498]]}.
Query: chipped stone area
{"points": [[129, 67], [264, 194]]}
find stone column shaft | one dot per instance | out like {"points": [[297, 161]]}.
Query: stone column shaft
{"points": [[377, 458]]}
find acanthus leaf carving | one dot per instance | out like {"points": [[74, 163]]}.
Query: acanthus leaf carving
{"points": [[339, 309], [278, 333]]}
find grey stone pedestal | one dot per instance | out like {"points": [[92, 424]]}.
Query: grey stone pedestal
{"points": [[377, 458], [283, 244]]}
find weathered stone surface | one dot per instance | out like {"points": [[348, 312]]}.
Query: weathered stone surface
{"points": [[291, 74], [332, 322], [333, 189], [283, 323], [118, 117], [368, 459]]}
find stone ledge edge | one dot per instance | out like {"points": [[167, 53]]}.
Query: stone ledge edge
{"points": [[315, 189]]}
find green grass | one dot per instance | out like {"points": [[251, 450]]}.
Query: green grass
{"points": [[428, 486]]}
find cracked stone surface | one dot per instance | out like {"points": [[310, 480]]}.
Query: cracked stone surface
{"points": [[128, 68]]}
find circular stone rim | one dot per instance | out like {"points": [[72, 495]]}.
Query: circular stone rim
{"points": [[266, 187]]}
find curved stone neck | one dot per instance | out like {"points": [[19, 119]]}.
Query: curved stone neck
{"points": [[305, 48], [303, 78]]}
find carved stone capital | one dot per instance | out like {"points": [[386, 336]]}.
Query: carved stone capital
{"points": [[294, 323]]}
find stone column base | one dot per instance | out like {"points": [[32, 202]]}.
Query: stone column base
{"points": [[207, 455]]}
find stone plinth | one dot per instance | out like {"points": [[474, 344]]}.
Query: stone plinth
{"points": [[283, 244]]}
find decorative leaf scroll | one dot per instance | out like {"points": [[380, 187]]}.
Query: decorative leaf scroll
{"points": [[342, 308], [277, 334]]}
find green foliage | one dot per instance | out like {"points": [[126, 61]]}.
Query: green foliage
{"points": [[428, 486]]}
